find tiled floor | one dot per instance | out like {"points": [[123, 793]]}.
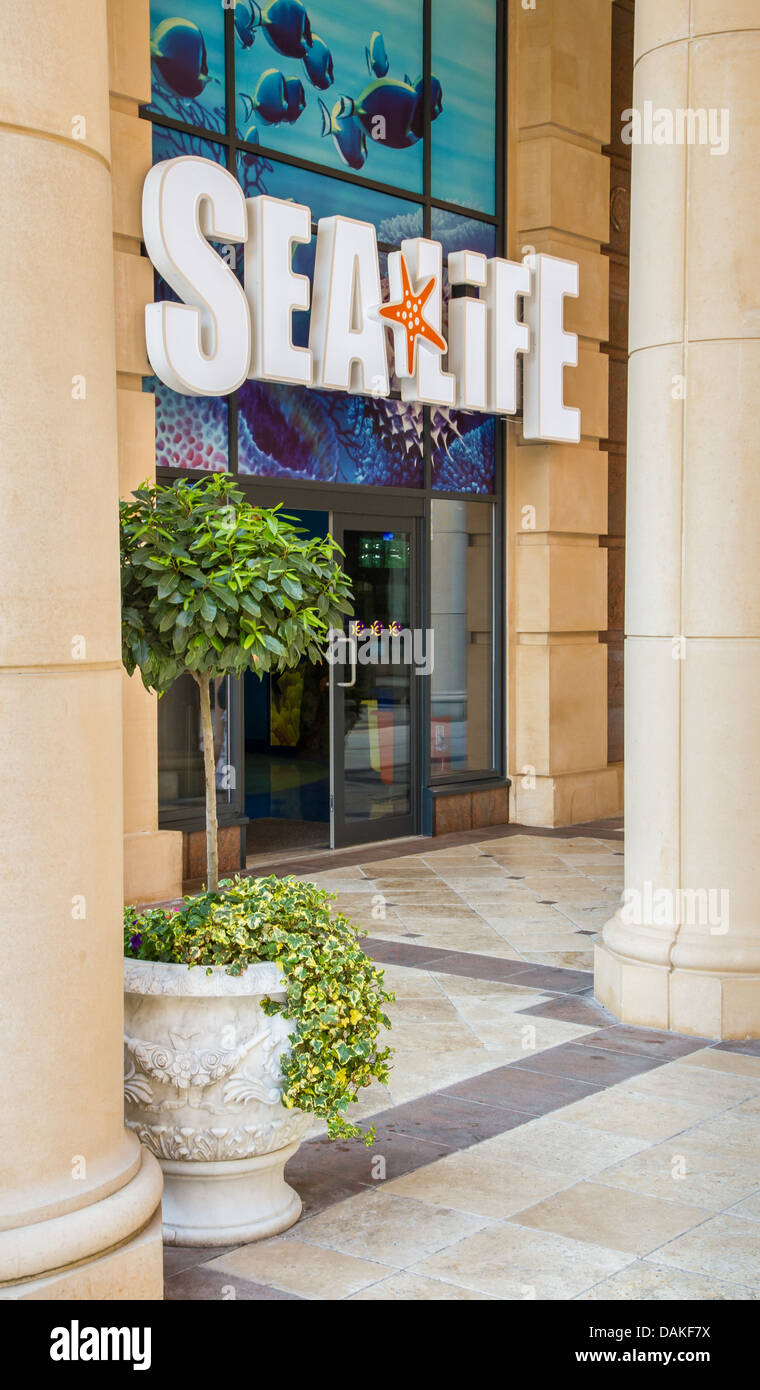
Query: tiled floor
{"points": [[528, 1146]]}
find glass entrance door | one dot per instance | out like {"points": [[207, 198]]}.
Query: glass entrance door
{"points": [[375, 695]]}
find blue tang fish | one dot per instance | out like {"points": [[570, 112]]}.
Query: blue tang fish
{"points": [[251, 137], [319, 64], [247, 18], [296, 99], [377, 58], [179, 52], [285, 24], [348, 136], [436, 104], [392, 112], [270, 100]]}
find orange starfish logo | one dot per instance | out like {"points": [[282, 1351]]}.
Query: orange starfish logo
{"points": [[406, 317]]}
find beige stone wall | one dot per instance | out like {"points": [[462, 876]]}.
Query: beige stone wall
{"points": [[152, 858], [558, 203], [76, 1189]]}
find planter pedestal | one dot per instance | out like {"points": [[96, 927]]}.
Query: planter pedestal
{"points": [[204, 1203], [202, 1090]]}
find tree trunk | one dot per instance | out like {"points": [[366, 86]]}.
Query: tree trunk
{"points": [[209, 768]]}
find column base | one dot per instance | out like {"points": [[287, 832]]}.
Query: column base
{"points": [[724, 1007], [228, 1203], [111, 1249], [152, 866], [570, 799]]}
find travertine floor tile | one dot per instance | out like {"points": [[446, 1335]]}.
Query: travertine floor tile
{"points": [[412, 1288], [749, 1208], [556, 1146], [612, 1218], [393, 1230], [725, 1247], [644, 1280], [621, 1110], [684, 1171], [472, 1181], [299, 1268], [510, 1261], [713, 1060], [711, 1090]]}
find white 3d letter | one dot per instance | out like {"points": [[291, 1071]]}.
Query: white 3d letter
{"points": [[429, 383], [545, 415], [201, 347], [506, 334], [347, 344], [468, 337], [274, 290]]}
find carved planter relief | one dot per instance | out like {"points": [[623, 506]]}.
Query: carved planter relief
{"points": [[202, 1091]]}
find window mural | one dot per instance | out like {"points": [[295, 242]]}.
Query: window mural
{"points": [[335, 83], [187, 62], [327, 96], [464, 136]]}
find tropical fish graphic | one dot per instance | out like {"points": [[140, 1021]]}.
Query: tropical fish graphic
{"points": [[251, 137], [285, 25], [247, 17], [436, 104], [392, 112], [377, 58], [348, 135], [318, 62], [270, 99], [179, 52], [296, 99]]}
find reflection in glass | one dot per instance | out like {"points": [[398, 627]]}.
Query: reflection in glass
{"points": [[180, 745], [334, 83], [187, 61], [463, 138], [461, 719], [377, 707]]}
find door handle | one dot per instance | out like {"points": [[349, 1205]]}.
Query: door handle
{"points": [[348, 685]]}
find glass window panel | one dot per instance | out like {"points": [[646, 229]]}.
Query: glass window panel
{"points": [[464, 135], [463, 451], [187, 61], [462, 714], [331, 101], [191, 431], [393, 218], [457, 233], [326, 436], [180, 745]]}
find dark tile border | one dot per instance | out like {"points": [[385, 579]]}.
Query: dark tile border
{"points": [[549, 979]]}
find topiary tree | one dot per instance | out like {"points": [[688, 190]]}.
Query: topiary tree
{"points": [[213, 586]]}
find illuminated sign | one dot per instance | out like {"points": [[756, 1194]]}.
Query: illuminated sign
{"points": [[223, 331]]}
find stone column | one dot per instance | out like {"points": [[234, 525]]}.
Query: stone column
{"points": [[79, 1211], [678, 955], [557, 494]]}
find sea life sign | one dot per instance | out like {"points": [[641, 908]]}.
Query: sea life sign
{"points": [[223, 332]]}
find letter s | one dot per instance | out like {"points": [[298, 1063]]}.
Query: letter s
{"points": [[201, 347]]}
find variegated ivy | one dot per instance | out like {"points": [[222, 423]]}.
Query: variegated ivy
{"points": [[335, 994]]}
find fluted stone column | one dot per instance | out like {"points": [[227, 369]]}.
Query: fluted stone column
{"points": [[693, 516], [78, 1197]]}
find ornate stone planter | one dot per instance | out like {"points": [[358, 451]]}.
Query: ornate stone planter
{"points": [[202, 1091]]}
